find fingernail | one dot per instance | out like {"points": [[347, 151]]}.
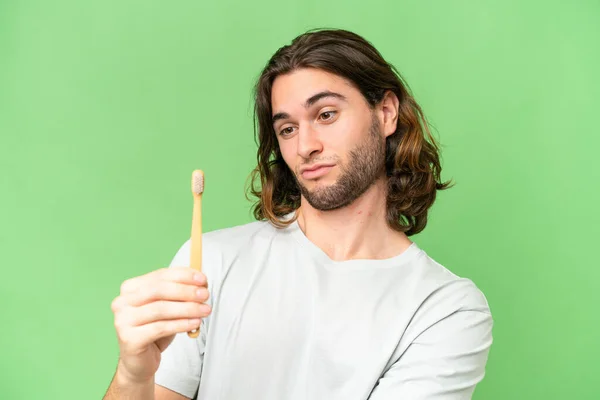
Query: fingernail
{"points": [[199, 278], [206, 308]]}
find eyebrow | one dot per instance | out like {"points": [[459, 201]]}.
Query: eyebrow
{"points": [[310, 102]]}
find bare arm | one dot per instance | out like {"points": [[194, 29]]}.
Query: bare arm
{"points": [[121, 389], [149, 312], [162, 393]]}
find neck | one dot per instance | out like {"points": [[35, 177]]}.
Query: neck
{"points": [[357, 231]]}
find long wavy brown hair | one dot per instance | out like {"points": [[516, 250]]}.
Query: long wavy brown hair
{"points": [[412, 154]]}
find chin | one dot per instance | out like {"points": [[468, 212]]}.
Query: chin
{"points": [[319, 182]]}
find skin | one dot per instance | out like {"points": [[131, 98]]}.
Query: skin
{"points": [[343, 211], [149, 311]]}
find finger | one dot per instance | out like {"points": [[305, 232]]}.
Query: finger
{"points": [[166, 310], [183, 275], [140, 337], [174, 274], [160, 329], [170, 291], [130, 285]]}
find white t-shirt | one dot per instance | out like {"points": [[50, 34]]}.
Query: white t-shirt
{"points": [[288, 323]]}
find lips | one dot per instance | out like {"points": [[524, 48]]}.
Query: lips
{"points": [[314, 167], [316, 171]]}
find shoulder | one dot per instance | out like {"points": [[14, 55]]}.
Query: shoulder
{"points": [[439, 293], [221, 246], [239, 235], [225, 239]]}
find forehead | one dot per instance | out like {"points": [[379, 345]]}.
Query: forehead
{"points": [[292, 89]]}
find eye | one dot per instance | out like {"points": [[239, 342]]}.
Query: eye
{"points": [[328, 115], [287, 131]]}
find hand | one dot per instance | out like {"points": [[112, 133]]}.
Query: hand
{"points": [[150, 310]]}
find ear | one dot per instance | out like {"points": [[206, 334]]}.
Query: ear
{"points": [[388, 113]]}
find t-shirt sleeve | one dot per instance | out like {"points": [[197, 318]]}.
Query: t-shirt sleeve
{"points": [[181, 363], [444, 362]]}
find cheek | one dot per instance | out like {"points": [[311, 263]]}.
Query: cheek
{"points": [[344, 135], [288, 152]]}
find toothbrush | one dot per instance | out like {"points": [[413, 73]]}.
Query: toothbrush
{"points": [[196, 248]]}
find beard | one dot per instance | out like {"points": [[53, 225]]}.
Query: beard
{"points": [[366, 163]]}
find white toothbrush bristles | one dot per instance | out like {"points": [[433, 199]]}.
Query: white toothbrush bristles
{"points": [[198, 182]]}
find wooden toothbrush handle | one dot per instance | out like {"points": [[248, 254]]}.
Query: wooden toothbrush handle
{"points": [[196, 248], [196, 245]]}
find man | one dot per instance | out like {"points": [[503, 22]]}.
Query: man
{"points": [[324, 297]]}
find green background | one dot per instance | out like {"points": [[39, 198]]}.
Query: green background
{"points": [[106, 108]]}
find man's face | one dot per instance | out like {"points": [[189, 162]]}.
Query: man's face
{"points": [[328, 136]]}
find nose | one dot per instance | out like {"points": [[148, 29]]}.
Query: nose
{"points": [[309, 142]]}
